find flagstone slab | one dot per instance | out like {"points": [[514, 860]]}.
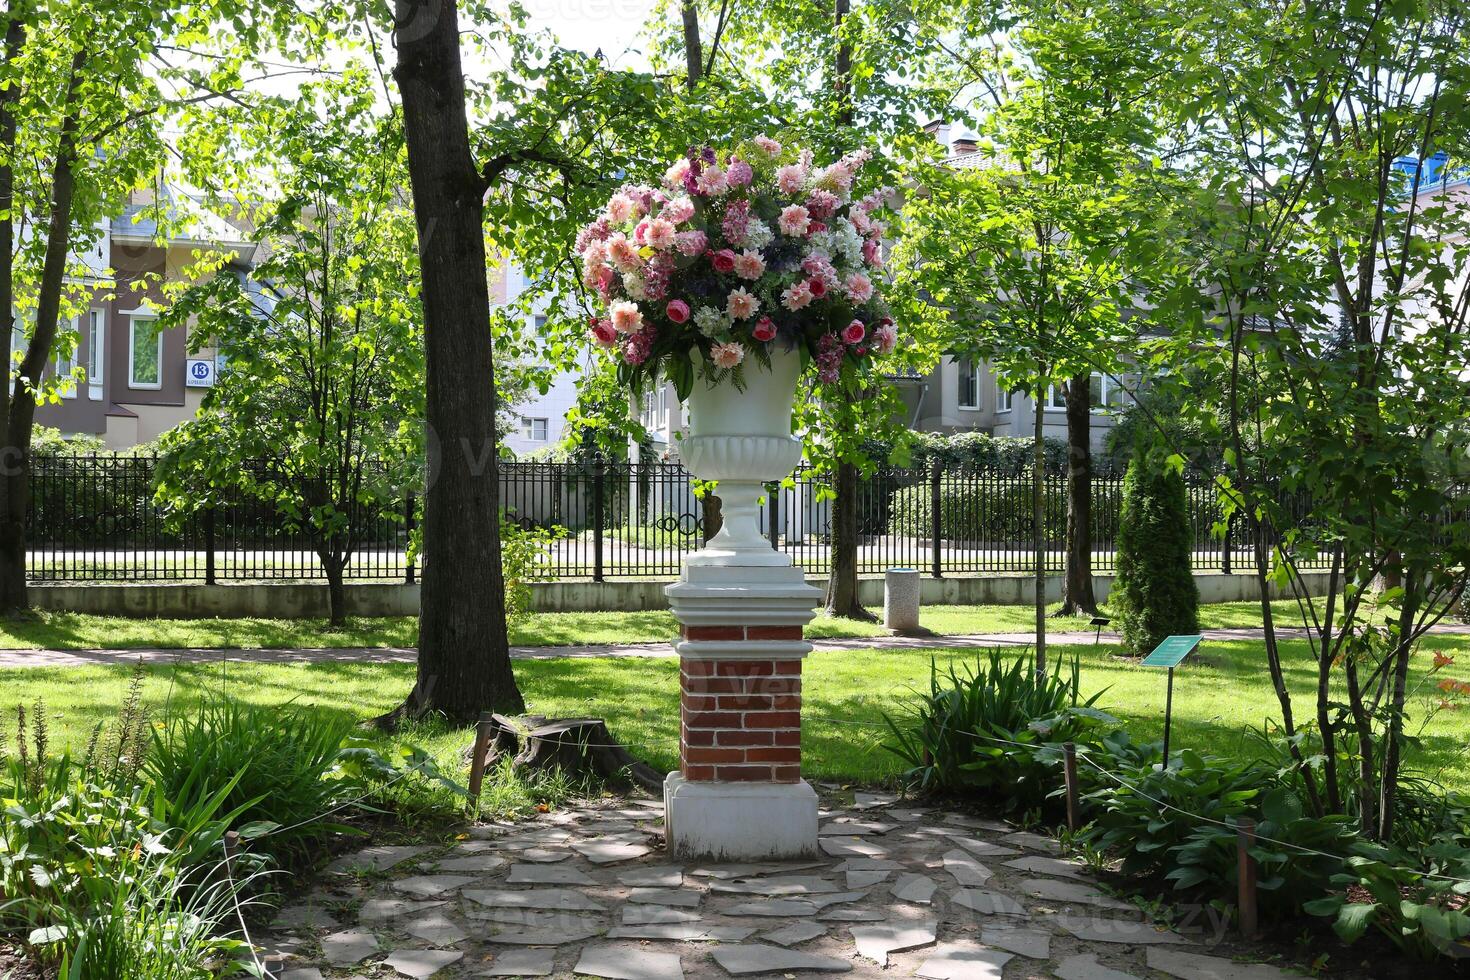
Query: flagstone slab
{"points": [[556, 936], [610, 850], [647, 915], [1033, 944], [870, 864], [683, 932], [853, 915], [854, 828], [298, 917], [379, 857], [976, 823], [436, 929], [546, 874], [776, 907], [521, 963], [623, 961], [536, 919], [653, 876], [302, 973], [914, 888], [738, 959], [797, 932], [478, 863], [775, 886], [728, 871], [876, 942], [965, 869], [1194, 966], [984, 848], [987, 902], [865, 879], [867, 801], [431, 886], [964, 961], [420, 964], [683, 897], [1085, 966], [543, 855], [907, 816], [383, 909], [1048, 866], [1095, 929], [561, 899], [850, 847], [350, 947], [1032, 842], [1073, 892], [930, 831]]}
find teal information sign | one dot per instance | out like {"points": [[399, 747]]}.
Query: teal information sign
{"points": [[1172, 651]]}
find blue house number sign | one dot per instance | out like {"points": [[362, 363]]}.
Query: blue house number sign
{"points": [[199, 373]]}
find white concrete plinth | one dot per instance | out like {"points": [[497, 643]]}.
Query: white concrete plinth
{"points": [[740, 821], [901, 591]]}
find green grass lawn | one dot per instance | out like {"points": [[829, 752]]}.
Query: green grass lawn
{"points": [[75, 631], [1219, 697]]}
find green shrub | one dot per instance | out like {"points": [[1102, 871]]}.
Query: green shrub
{"points": [[995, 727], [1154, 594], [1423, 914]]}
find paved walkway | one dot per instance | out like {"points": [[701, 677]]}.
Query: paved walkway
{"points": [[896, 891], [78, 658]]}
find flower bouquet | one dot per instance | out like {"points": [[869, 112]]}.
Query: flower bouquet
{"points": [[738, 256]]}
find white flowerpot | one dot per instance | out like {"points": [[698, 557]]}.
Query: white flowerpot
{"points": [[743, 439]]}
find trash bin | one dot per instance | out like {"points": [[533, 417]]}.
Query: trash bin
{"points": [[901, 600]]}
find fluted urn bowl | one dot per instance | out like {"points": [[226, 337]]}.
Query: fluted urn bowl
{"points": [[743, 440]]}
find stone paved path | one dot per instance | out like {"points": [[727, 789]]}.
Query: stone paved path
{"points": [[899, 891], [663, 648]]}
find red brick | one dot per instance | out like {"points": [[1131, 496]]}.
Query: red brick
{"points": [[773, 685], [773, 632], [699, 702], [785, 774], [697, 668], [789, 737], [745, 702], [789, 701], [743, 774], [789, 754], [737, 736], [787, 667], [772, 719], [714, 632], [694, 754], [713, 685], [714, 719], [744, 668], [704, 773], [700, 736]]}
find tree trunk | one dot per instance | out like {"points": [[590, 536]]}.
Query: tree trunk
{"points": [[842, 580], [464, 656], [693, 50], [335, 567], [711, 518], [1077, 597], [1038, 519]]}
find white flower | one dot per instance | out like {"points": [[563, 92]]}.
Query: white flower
{"points": [[757, 234], [711, 321], [633, 286]]}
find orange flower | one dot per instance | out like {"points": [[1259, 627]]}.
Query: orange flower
{"points": [[1447, 685], [1442, 660], [1463, 687]]}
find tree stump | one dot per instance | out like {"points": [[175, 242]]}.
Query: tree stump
{"points": [[575, 746]]}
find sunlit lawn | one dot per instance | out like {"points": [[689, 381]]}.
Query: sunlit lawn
{"points": [[72, 631], [1219, 698]]}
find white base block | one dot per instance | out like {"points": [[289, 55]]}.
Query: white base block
{"points": [[740, 821]]}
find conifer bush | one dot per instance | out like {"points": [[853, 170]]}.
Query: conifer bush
{"points": [[1154, 594]]}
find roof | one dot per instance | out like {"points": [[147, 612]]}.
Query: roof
{"points": [[193, 226]]}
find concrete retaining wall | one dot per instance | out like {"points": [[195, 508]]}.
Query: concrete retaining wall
{"points": [[287, 600]]}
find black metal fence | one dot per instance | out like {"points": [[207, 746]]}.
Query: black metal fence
{"points": [[93, 518]]}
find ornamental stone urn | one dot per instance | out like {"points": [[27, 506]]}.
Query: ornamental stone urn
{"points": [[741, 607]]}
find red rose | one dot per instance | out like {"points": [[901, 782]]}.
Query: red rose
{"points": [[818, 286], [603, 333], [765, 329], [723, 260], [677, 310], [854, 332]]}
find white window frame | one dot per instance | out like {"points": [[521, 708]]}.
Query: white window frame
{"points": [[1004, 400], [1108, 388], [136, 317], [96, 354], [66, 368], [528, 429], [962, 366], [1056, 400]]}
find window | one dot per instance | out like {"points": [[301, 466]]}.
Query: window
{"points": [[66, 364], [540, 323], [1108, 394], [968, 392], [663, 404], [145, 352], [1002, 399], [96, 346], [1056, 400], [533, 429]]}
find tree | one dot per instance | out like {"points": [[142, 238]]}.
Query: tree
{"points": [[85, 104], [1154, 595], [319, 412]]}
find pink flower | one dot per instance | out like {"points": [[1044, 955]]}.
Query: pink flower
{"points": [[623, 253], [767, 145], [674, 176], [821, 203], [859, 288], [837, 178], [677, 310], [727, 355], [723, 260], [660, 233], [679, 209], [765, 329], [603, 333], [817, 287], [817, 227], [796, 297], [620, 208], [854, 332], [739, 174], [819, 266], [640, 232], [794, 221], [861, 223], [626, 317], [741, 304], [691, 243], [749, 264], [790, 178], [712, 182], [885, 338], [872, 254]]}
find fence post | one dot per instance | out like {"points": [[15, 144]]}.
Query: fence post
{"points": [[1229, 544], [1245, 837], [1069, 772], [773, 515], [209, 571], [408, 525], [936, 529], [599, 519]]}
